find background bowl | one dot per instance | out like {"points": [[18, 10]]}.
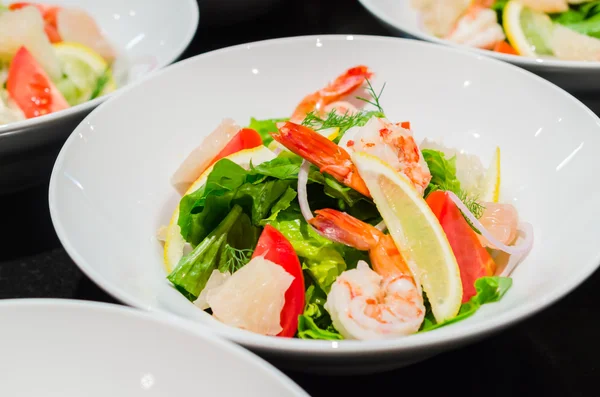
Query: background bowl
{"points": [[573, 76], [63, 348], [106, 214], [148, 36]]}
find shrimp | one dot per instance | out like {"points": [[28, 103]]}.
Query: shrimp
{"points": [[390, 142], [342, 86], [393, 144], [322, 152], [502, 221], [479, 28], [385, 302]]}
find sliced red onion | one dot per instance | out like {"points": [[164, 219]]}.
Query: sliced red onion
{"points": [[522, 248], [526, 230], [302, 194], [381, 226]]}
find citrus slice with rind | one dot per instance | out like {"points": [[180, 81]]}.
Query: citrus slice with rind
{"points": [[528, 31], [417, 234], [491, 182], [174, 242]]}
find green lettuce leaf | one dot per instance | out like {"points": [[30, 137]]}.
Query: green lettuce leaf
{"points": [[443, 172], [315, 322], [489, 289], [259, 190], [322, 259], [193, 270], [583, 18], [282, 204], [229, 184], [264, 127]]}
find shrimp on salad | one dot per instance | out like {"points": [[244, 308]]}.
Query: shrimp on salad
{"points": [[391, 142], [560, 29], [329, 97], [260, 259], [365, 303]]}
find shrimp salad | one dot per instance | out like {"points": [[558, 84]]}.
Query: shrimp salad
{"points": [[334, 223], [51, 58], [560, 29]]}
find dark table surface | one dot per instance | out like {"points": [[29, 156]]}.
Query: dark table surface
{"points": [[553, 353]]}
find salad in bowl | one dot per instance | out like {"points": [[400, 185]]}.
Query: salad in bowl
{"points": [[334, 223], [567, 30], [51, 58]]}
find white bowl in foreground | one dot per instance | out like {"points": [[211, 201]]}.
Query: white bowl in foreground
{"points": [[573, 76], [56, 347], [148, 35], [107, 213]]}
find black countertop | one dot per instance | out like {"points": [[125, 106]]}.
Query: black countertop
{"points": [[552, 353]]}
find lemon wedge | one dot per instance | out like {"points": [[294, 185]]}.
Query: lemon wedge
{"points": [[83, 66], [528, 31], [174, 242], [491, 184], [416, 232], [330, 133]]}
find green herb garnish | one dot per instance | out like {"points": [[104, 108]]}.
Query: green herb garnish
{"points": [[101, 83], [376, 97]]}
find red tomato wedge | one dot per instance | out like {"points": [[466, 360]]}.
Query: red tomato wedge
{"points": [[246, 138], [505, 48], [405, 125], [31, 88], [49, 16], [473, 259], [276, 248]]}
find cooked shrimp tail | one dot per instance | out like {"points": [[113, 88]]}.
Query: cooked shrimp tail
{"points": [[323, 153], [342, 86], [345, 229]]}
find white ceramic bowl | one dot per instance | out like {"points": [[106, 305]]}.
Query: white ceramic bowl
{"points": [[65, 348], [573, 76], [106, 213], [148, 35]]}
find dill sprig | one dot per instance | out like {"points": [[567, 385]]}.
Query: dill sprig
{"points": [[376, 97], [236, 258], [472, 203], [347, 120], [343, 121]]}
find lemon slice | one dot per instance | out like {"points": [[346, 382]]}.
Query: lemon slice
{"points": [[491, 184], [174, 242], [416, 232], [330, 133], [528, 31], [84, 67]]}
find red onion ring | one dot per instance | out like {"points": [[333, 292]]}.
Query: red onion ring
{"points": [[522, 248], [381, 226], [302, 194]]}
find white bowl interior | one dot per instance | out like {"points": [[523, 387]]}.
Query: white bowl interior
{"points": [[110, 187], [58, 348]]}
